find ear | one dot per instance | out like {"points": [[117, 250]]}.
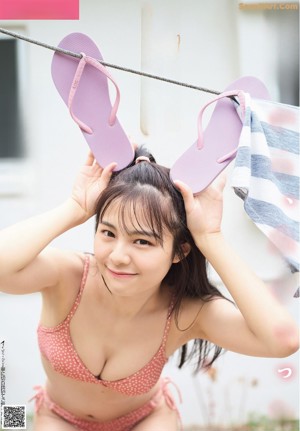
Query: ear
{"points": [[186, 248]]}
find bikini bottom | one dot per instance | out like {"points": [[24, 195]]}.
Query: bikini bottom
{"points": [[122, 423]]}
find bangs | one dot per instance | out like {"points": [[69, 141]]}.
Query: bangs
{"points": [[142, 208]]}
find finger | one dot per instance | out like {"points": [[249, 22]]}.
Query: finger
{"points": [[96, 164], [222, 178], [220, 182], [107, 172], [186, 193], [90, 159]]}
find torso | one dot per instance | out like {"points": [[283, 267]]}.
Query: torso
{"points": [[109, 347]]}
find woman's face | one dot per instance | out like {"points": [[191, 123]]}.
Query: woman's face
{"points": [[131, 261]]}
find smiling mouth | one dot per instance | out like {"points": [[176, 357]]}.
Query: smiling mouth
{"points": [[119, 274]]}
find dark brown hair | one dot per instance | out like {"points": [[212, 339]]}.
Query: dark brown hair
{"points": [[147, 186]]}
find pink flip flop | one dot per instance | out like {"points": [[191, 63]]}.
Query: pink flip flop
{"points": [[82, 84], [216, 147]]}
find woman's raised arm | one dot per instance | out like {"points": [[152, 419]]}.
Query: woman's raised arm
{"points": [[260, 326], [23, 266]]}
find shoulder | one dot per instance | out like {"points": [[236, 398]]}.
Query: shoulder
{"points": [[64, 263], [58, 299], [195, 315], [216, 315], [69, 266]]}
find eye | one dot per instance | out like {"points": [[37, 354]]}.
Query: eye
{"points": [[142, 242], [108, 233]]}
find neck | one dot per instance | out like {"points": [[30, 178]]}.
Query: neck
{"points": [[130, 307]]}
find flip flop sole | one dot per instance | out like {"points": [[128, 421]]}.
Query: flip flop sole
{"points": [[91, 103], [198, 168]]}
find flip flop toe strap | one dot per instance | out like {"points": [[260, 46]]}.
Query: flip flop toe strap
{"points": [[76, 80], [227, 156], [200, 143]]}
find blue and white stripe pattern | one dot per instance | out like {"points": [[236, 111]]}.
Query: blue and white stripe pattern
{"points": [[266, 172]]}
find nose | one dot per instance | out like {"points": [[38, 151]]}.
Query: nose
{"points": [[119, 254]]}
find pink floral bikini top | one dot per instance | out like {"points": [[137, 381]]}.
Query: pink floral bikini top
{"points": [[57, 347]]}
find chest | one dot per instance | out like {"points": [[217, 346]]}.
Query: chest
{"points": [[99, 344], [112, 348]]}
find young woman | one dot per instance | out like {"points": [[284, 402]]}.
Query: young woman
{"points": [[110, 320]]}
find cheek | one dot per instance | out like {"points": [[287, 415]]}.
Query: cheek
{"points": [[161, 263], [100, 250]]}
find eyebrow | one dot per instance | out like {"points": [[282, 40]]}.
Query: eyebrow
{"points": [[130, 232]]}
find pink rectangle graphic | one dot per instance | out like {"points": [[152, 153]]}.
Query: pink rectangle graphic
{"points": [[39, 9]]}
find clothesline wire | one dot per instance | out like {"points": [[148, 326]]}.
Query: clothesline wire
{"points": [[114, 66]]}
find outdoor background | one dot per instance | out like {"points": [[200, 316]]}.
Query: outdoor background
{"points": [[205, 43]]}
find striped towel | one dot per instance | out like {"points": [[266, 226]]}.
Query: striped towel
{"points": [[266, 172]]}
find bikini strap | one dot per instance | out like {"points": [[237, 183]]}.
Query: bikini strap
{"points": [[82, 284]]}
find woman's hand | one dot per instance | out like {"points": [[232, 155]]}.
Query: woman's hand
{"points": [[90, 182], [204, 210]]}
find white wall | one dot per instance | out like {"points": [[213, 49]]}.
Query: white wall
{"points": [[199, 42]]}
